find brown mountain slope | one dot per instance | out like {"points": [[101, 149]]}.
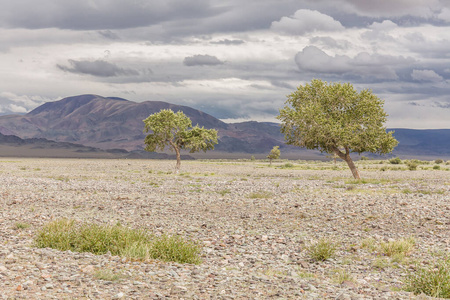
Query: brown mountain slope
{"points": [[108, 123]]}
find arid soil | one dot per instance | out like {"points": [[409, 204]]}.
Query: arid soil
{"points": [[255, 223]]}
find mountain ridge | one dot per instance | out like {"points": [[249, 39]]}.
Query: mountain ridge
{"points": [[113, 122]]}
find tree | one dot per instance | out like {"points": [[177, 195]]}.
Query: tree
{"points": [[274, 154], [175, 130], [331, 117]]}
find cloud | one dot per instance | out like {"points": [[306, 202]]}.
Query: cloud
{"points": [[202, 60], [391, 8], [98, 15], [98, 68], [426, 75], [304, 21], [366, 65], [17, 108], [445, 15], [228, 42]]}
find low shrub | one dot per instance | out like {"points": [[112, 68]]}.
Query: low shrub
{"points": [[412, 165], [395, 161], [438, 161], [436, 167]]}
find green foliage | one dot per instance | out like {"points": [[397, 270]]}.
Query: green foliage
{"points": [[412, 165], [274, 153], [436, 167], [335, 118], [395, 161], [438, 161], [432, 281], [287, 166], [402, 247], [322, 250], [64, 234], [328, 116], [364, 158], [174, 130]]}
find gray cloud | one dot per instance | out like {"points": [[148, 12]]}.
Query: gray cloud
{"points": [[201, 60], [367, 65], [304, 21], [99, 68], [97, 14], [426, 75], [228, 42]]}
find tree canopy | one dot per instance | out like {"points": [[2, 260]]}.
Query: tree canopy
{"points": [[335, 118], [175, 130], [274, 153]]}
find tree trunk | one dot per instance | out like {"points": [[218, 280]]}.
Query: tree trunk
{"points": [[177, 168], [346, 156], [177, 152], [270, 161]]}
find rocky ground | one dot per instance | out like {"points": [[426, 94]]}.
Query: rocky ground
{"points": [[255, 223]]}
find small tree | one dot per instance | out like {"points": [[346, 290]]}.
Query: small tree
{"points": [[274, 154], [330, 117], [175, 130]]}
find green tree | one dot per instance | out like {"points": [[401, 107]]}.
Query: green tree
{"points": [[331, 117], [175, 130], [274, 154]]}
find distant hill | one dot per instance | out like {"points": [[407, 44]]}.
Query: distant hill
{"points": [[115, 123]]}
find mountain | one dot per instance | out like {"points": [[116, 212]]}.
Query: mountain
{"points": [[115, 123]]}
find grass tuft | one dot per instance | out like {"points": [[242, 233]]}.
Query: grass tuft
{"points": [[399, 247], [322, 250], [434, 282], [135, 244]]}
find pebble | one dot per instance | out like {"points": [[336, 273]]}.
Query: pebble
{"points": [[253, 247]]}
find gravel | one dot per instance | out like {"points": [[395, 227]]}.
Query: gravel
{"points": [[255, 223]]}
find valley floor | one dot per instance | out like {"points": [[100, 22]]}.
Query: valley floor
{"points": [[256, 223]]}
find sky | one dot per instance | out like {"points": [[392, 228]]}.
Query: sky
{"points": [[236, 60]]}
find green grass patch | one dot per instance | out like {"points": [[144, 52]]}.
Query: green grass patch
{"points": [[134, 244], [433, 281], [322, 250], [400, 247], [260, 195], [108, 275], [21, 225]]}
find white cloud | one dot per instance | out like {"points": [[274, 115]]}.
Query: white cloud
{"points": [[304, 21], [426, 75], [385, 25], [363, 64], [17, 108]]}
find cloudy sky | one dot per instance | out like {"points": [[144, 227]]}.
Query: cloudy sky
{"points": [[234, 59]]}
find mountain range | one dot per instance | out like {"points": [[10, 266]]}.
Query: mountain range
{"points": [[103, 123]]}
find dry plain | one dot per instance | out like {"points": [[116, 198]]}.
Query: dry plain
{"points": [[255, 223]]}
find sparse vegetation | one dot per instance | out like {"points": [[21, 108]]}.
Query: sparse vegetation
{"points": [[412, 165], [108, 275], [395, 161], [322, 250], [260, 195], [433, 281], [64, 234], [402, 247], [21, 225]]}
